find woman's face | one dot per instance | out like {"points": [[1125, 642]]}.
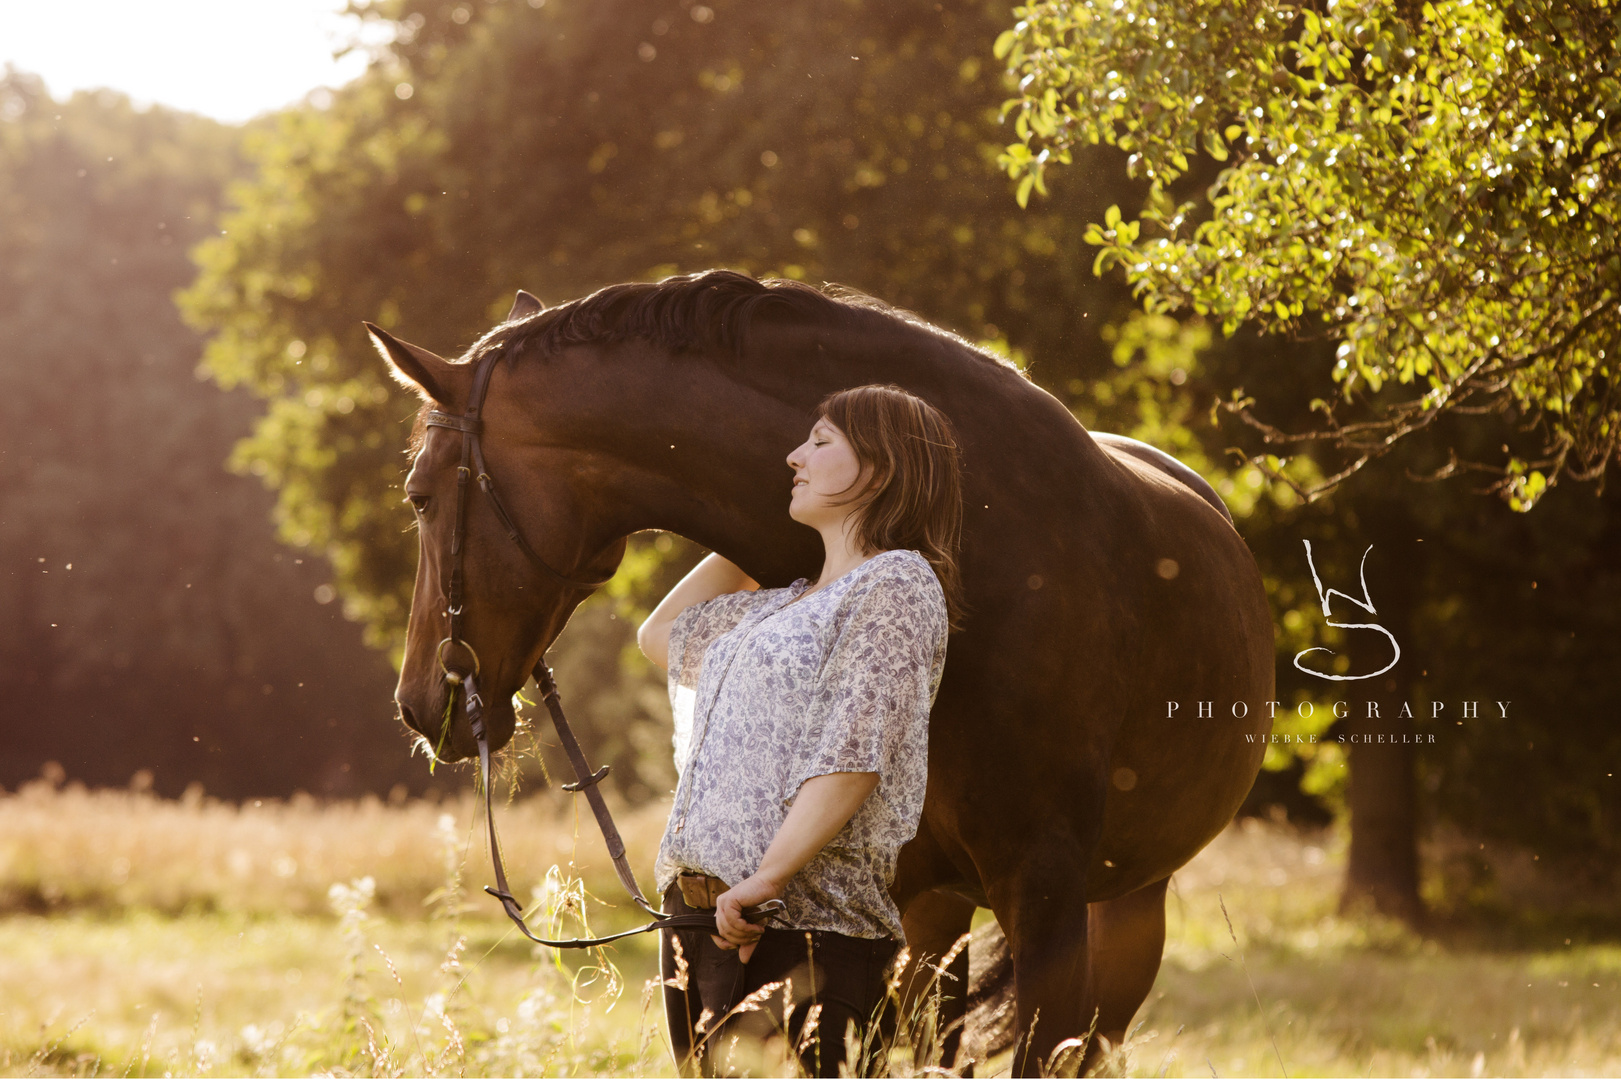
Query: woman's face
{"points": [[824, 468]]}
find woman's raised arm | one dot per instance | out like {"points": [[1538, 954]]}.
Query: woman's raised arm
{"points": [[714, 576]]}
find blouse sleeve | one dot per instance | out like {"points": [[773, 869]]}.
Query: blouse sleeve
{"points": [[870, 709], [695, 628]]}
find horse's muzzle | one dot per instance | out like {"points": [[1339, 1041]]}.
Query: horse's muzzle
{"points": [[446, 745]]}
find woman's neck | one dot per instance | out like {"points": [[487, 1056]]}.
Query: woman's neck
{"points": [[842, 552]]}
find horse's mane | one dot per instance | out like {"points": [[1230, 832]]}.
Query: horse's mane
{"points": [[713, 309]]}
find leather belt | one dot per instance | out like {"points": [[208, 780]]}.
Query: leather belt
{"points": [[700, 890]]}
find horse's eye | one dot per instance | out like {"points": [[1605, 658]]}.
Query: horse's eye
{"points": [[419, 503]]}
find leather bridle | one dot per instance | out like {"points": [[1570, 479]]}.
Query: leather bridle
{"points": [[471, 426]]}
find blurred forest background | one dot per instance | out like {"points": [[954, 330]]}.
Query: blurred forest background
{"points": [[195, 424], [154, 624]]}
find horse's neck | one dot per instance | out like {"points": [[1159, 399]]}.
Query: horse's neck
{"points": [[698, 446], [686, 445]]}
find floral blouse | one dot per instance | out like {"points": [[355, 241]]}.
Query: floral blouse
{"points": [[768, 693]]}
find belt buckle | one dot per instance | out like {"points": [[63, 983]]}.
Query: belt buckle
{"points": [[699, 890]]}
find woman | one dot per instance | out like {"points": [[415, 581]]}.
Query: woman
{"points": [[802, 730]]}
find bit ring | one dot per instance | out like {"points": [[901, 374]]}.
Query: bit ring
{"points": [[455, 677]]}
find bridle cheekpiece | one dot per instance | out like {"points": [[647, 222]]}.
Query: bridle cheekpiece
{"points": [[471, 426]]}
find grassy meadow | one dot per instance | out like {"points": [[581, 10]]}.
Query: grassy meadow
{"points": [[140, 936]]}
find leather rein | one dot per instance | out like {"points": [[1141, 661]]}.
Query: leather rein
{"points": [[472, 465]]}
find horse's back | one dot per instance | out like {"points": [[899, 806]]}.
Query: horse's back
{"points": [[1118, 445]]}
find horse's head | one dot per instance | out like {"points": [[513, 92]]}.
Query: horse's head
{"points": [[506, 552]]}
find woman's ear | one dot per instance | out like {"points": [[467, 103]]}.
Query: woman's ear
{"points": [[432, 376]]}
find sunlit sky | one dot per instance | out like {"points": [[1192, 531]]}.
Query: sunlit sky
{"points": [[229, 59]]}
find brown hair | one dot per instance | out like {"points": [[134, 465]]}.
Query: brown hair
{"points": [[914, 497]]}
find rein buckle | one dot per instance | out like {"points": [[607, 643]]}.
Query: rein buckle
{"points": [[594, 778]]}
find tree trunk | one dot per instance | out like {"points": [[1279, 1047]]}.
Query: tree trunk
{"points": [[1383, 866], [1383, 796]]}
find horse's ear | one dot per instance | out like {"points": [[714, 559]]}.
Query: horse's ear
{"points": [[525, 305], [434, 377]]}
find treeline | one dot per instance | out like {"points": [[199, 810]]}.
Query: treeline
{"points": [[150, 619], [572, 146], [561, 147], [498, 145]]}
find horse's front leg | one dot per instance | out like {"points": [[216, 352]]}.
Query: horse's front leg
{"points": [[934, 922], [1044, 914], [933, 917]]}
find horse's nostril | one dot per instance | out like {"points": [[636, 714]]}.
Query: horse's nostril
{"points": [[408, 716]]}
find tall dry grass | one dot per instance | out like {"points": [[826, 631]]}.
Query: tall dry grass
{"points": [[192, 937], [66, 849], [140, 936]]}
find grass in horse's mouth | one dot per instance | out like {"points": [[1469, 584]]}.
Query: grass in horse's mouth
{"points": [[444, 733]]}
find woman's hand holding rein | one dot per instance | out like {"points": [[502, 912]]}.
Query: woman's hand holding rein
{"points": [[715, 575], [822, 807]]}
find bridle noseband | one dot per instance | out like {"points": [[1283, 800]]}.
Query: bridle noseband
{"points": [[471, 426]]}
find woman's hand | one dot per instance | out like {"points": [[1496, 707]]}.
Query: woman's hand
{"points": [[713, 576], [821, 808], [737, 932]]}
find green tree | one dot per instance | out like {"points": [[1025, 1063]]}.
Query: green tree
{"points": [[1430, 186], [496, 146], [1488, 605]]}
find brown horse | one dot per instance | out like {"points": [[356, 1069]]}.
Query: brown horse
{"points": [[1104, 580]]}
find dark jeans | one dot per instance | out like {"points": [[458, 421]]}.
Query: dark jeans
{"points": [[845, 975]]}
